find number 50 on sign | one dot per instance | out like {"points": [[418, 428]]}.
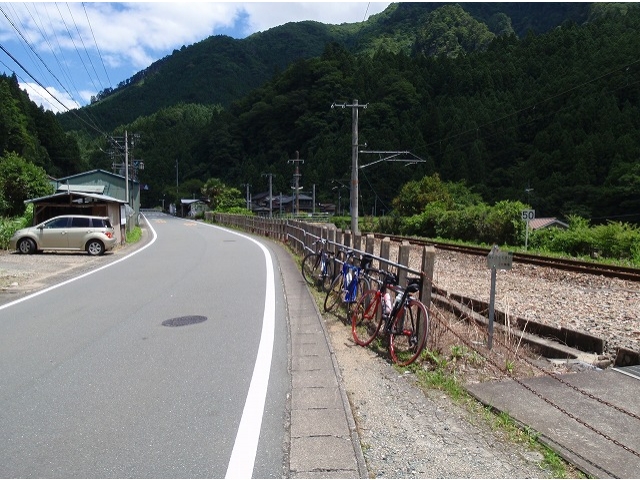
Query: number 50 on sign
{"points": [[528, 215]]}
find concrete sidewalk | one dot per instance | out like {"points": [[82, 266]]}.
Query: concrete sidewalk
{"points": [[323, 439], [599, 439]]}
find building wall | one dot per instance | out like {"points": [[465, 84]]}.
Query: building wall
{"points": [[114, 186]]}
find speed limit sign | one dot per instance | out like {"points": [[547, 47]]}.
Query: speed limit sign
{"points": [[528, 215]]}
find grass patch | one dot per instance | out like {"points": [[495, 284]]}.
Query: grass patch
{"points": [[134, 235]]}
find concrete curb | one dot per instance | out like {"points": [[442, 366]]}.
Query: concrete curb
{"points": [[324, 442]]}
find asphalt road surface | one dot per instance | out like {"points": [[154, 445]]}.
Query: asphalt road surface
{"points": [[169, 363]]}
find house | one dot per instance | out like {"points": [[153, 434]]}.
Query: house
{"points": [[104, 183], [68, 201], [192, 207], [538, 223], [281, 203]]}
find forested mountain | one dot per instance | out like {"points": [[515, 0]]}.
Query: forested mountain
{"points": [[33, 133], [519, 105], [220, 69]]}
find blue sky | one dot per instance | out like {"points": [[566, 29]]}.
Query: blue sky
{"points": [[65, 53]]}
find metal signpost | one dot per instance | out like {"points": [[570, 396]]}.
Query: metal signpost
{"points": [[527, 216], [496, 260]]}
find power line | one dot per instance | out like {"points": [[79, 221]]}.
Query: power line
{"points": [[96, 44]]}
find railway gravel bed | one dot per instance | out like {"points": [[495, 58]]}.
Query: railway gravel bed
{"points": [[605, 307]]}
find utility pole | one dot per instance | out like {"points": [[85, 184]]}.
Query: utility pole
{"points": [[296, 178], [270, 175], [126, 168], [177, 194], [247, 185], [354, 162], [129, 166]]}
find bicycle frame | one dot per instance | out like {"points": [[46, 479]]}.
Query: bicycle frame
{"points": [[406, 325]]}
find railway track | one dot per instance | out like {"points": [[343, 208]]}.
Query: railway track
{"points": [[581, 266]]}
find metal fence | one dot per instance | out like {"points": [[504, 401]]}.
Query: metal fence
{"points": [[301, 235]]}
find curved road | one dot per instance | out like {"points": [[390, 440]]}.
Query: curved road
{"points": [[172, 362]]}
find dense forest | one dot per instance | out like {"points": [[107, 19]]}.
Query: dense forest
{"points": [[544, 114]]}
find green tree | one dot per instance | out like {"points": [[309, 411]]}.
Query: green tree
{"points": [[222, 198], [20, 180]]}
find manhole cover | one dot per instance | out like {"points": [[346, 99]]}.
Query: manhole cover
{"points": [[183, 321]]}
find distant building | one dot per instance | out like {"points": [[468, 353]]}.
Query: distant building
{"points": [[538, 223]]}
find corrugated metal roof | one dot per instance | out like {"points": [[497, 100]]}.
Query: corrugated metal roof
{"points": [[99, 189], [104, 198], [546, 222]]}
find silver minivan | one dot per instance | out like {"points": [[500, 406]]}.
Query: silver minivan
{"points": [[93, 234]]}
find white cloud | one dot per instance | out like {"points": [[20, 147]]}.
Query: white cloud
{"points": [[45, 98], [264, 16], [79, 41]]}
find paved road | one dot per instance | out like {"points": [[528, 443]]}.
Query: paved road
{"points": [[95, 382]]}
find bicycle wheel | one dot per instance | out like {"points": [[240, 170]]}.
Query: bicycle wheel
{"points": [[335, 294], [367, 318], [363, 286], [311, 269], [409, 332], [327, 275]]}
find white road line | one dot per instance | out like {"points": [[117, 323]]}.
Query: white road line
{"points": [[245, 447], [53, 287]]}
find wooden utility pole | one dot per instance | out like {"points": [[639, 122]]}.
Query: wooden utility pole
{"points": [[296, 179], [354, 162], [270, 175]]}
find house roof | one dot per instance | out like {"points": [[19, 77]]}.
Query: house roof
{"points": [[80, 197], [537, 223], [99, 189], [97, 170], [190, 201]]}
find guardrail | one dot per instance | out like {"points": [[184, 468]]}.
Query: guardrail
{"points": [[301, 235]]}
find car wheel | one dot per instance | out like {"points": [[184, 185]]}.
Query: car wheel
{"points": [[95, 247], [26, 245]]}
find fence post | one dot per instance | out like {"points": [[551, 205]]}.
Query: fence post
{"points": [[403, 259], [428, 263], [357, 241], [385, 248], [369, 243], [347, 239]]}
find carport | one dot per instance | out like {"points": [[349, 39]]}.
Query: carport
{"points": [[81, 203]]}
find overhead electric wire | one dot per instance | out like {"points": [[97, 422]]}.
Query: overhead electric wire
{"points": [[96, 44], [39, 58], [76, 48], [91, 122], [61, 64]]}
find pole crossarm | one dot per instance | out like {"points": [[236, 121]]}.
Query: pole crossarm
{"points": [[392, 156]]}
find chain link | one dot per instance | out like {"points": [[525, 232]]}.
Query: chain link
{"points": [[539, 395]]}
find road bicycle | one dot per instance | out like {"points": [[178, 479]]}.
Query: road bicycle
{"points": [[350, 283], [406, 321], [318, 266]]}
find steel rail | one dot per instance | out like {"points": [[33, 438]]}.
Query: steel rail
{"points": [[579, 266]]}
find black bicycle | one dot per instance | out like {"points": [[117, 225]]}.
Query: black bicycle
{"points": [[404, 319], [318, 266]]}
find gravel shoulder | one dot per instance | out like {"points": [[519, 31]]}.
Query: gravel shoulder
{"points": [[406, 432]]}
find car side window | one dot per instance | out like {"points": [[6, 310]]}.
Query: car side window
{"points": [[97, 222], [57, 223], [80, 222]]}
